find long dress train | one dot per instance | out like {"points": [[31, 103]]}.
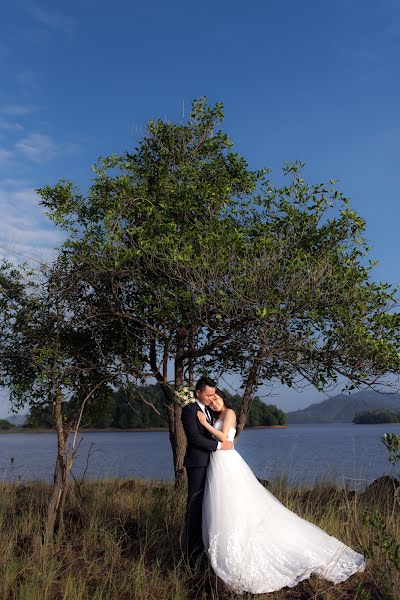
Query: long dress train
{"points": [[254, 543]]}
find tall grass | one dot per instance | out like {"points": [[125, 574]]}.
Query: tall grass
{"points": [[126, 542]]}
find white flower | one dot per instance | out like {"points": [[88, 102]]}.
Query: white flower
{"points": [[184, 395]]}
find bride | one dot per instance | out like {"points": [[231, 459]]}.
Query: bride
{"points": [[254, 543]]}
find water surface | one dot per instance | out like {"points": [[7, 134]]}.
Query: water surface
{"points": [[345, 453]]}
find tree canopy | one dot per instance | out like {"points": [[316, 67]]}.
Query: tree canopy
{"points": [[186, 261]]}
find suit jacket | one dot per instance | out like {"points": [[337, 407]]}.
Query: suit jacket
{"points": [[200, 442]]}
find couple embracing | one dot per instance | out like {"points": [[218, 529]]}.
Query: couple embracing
{"points": [[253, 542]]}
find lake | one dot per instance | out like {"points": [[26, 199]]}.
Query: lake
{"points": [[344, 453]]}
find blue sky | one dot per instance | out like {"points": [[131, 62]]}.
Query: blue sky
{"points": [[316, 80]]}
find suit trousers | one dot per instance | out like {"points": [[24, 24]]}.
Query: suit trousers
{"points": [[196, 482]]}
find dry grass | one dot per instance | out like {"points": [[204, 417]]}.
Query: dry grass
{"points": [[126, 543]]}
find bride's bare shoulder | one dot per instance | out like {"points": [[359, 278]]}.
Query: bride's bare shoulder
{"points": [[231, 415]]}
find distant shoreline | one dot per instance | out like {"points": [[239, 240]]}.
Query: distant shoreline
{"points": [[23, 430], [118, 430], [268, 427]]}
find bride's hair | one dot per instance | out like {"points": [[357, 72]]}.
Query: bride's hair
{"points": [[224, 398]]}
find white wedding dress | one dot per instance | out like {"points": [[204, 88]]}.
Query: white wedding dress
{"points": [[254, 543]]}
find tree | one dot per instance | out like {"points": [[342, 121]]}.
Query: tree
{"points": [[377, 415], [199, 264], [144, 407], [50, 358], [40, 416], [259, 412]]}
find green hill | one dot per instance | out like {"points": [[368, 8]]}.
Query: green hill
{"points": [[378, 415], [126, 410], [343, 407]]}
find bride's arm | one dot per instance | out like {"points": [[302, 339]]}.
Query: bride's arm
{"points": [[228, 422], [193, 435]]}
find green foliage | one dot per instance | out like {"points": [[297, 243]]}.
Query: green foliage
{"points": [[123, 408], [132, 411], [377, 415], [4, 424], [180, 243], [45, 344], [131, 407], [392, 445], [40, 416], [180, 258], [383, 546], [383, 539], [259, 413]]}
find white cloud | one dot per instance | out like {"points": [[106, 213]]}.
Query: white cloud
{"points": [[24, 230], [16, 110], [5, 156], [51, 20], [10, 125], [26, 78], [12, 182], [38, 147]]}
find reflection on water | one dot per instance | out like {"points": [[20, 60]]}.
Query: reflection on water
{"points": [[303, 453]]}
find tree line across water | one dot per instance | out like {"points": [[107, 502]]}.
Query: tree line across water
{"points": [[145, 407], [378, 415]]}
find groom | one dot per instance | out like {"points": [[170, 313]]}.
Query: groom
{"points": [[199, 445]]}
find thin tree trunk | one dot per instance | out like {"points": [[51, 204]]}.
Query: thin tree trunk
{"points": [[176, 411], [55, 513], [165, 361], [178, 443], [191, 359], [64, 492], [251, 383], [177, 435], [53, 509]]}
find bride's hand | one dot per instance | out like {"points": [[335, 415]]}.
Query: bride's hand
{"points": [[201, 417]]}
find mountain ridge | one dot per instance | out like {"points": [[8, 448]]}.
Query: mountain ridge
{"points": [[16, 420], [343, 407]]}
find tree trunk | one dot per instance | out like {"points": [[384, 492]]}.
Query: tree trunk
{"points": [[54, 517], [177, 439], [248, 392], [177, 433], [191, 359], [177, 436]]}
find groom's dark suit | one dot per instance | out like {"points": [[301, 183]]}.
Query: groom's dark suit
{"points": [[199, 445]]}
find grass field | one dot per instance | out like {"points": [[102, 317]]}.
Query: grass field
{"points": [[126, 542]]}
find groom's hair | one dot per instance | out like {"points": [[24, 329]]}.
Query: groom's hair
{"points": [[203, 381]]}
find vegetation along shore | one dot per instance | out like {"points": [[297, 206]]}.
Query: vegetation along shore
{"points": [[124, 409]]}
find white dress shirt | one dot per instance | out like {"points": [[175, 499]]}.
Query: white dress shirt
{"points": [[203, 408]]}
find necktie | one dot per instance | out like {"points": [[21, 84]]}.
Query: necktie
{"points": [[208, 414]]}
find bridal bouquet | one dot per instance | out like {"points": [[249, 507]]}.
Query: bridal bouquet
{"points": [[184, 395]]}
